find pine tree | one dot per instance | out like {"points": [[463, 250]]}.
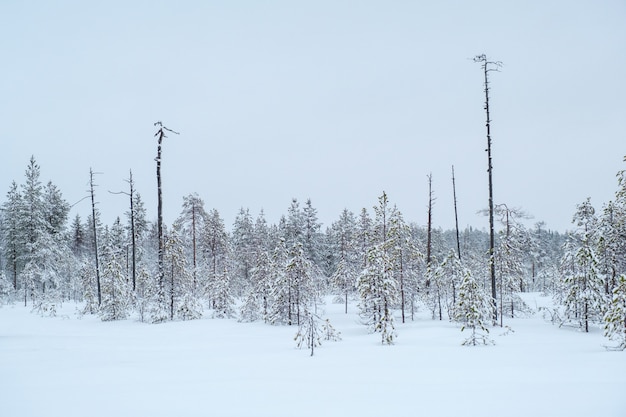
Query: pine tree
{"points": [[243, 242], [343, 236], [583, 283], [55, 209], [193, 221], [215, 247], [377, 287], [313, 330], [473, 309], [256, 305], [116, 293], [87, 275], [615, 317], [403, 254], [12, 233], [184, 302], [223, 301]]}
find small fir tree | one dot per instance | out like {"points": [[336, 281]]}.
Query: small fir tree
{"points": [[473, 309]]}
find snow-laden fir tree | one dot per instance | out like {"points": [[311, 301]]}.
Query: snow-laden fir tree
{"points": [[193, 221], [12, 237], [223, 301], [473, 309], [377, 286], [116, 292], [215, 248], [258, 300], [583, 282], [87, 276], [342, 237], [243, 252], [183, 297], [404, 256], [445, 282], [511, 250], [615, 317]]}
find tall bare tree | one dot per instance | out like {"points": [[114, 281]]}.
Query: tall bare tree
{"points": [[94, 224], [487, 67], [160, 135]]}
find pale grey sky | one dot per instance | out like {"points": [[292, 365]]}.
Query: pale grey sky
{"points": [[332, 100]]}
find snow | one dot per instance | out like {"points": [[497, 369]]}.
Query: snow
{"points": [[66, 366]]}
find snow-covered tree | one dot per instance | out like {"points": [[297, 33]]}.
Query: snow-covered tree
{"points": [[583, 282], [512, 248], [473, 309], [116, 293], [215, 247], [377, 286], [223, 301], [258, 300], [193, 221], [343, 243], [243, 251], [12, 238], [615, 317], [404, 256], [313, 330]]}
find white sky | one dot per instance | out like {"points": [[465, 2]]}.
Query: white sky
{"points": [[332, 100]]}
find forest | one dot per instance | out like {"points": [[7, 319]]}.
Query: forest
{"points": [[280, 273]]}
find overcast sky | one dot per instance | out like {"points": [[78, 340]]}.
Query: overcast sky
{"points": [[330, 100]]}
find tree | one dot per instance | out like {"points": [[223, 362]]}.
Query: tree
{"points": [[583, 282], [12, 232], [377, 286], [116, 295], [192, 218], [94, 230], [514, 244], [313, 330], [258, 300], [343, 239], [243, 243], [223, 301], [160, 135], [487, 67], [472, 310], [182, 297], [215, 246], [312, 238], [615, 317], [55, 209], [403, 255]]}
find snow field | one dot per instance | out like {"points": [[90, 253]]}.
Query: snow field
{"points": [[69, 367]]}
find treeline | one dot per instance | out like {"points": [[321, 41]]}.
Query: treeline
{"points": [[278, 273]]}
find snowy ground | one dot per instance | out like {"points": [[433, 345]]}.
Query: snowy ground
{"points": [[84, 367]]}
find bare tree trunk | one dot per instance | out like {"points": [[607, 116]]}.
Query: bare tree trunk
{"points": [[430, 227], [456, 216], [160, 134], [95, 234], [132, 228], [486, 69]]}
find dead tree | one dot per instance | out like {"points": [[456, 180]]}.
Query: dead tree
{"points": [[95, 233], [456, 216], [487, 67], [429, 228], [160, 135]]}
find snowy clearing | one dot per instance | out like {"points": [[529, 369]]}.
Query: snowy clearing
{"points": [[66, 366]]}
